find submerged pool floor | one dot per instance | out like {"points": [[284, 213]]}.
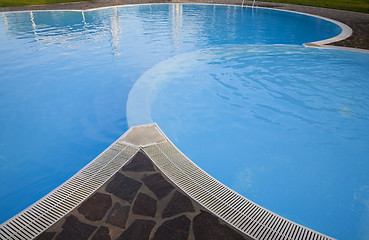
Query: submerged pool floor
{"points": [[286, 126], [66, 76]]}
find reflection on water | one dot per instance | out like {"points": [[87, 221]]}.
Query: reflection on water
{"points": [[64, 27], [177, 23], [65, 78], [236, 25]]}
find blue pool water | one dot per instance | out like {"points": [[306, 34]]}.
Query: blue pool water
{"points": [[292, 126], [65, 79]]}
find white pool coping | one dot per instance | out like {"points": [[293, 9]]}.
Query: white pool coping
{"points": [[233, 208]]}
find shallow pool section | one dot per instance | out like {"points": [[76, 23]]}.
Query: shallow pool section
{"points": [[285, 126], [65, 78]]}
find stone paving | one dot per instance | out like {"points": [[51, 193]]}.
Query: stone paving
{"points": [[359, 22], [140, 203]]}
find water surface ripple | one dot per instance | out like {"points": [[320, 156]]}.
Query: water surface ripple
{"points": [[285, 126]]}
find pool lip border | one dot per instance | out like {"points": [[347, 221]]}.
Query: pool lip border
{"points": [[69, 180], [345, 33], [206, 173]]}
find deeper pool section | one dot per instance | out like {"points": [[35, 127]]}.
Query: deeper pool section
{"points": [[65, 77], [285, 126]]}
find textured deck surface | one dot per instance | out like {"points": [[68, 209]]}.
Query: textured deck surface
{"points": [[139, 202], [143, 187]]}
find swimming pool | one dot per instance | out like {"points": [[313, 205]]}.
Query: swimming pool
{"points": [[66, 78]]}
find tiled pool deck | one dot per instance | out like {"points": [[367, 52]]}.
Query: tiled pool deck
{"points": [[140, 202], [359, 22], [142, 187]]}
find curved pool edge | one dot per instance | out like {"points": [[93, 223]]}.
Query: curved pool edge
{"points": [[236, 210], [346, 30], [345, 33], [143, 91]]}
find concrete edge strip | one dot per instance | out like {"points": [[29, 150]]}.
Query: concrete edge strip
{"points": [[233, 208], [41, 215]]}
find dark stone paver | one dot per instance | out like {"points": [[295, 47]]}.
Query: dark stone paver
{"points": [[46, 236], [139, 230], [118, 215], [140, 163], [144, 205], [158, 185], [207, 226], [73, 229], [95, 207], [123, 187], [178, 204], [175, 229], [101, 234], [139, 215]]}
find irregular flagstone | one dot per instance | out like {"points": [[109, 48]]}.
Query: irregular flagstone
{"points": [[139, 230], [45, 236], [118, 215], [73, 229], [206, 227], [144, 205], [175, 229], [123, 187], [178, 204], [158, 185], [101, 234], [95, 207], [140, 163], [177, 218]]}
